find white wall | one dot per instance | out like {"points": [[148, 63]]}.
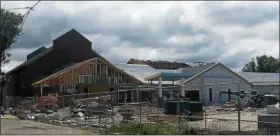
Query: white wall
{"points": [[216, 75]]}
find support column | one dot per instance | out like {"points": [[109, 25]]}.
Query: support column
{"points": [[182, 88], [160, 87], [160, 99], [137, 94], [41, 90], [152, 93], [132, 95]]}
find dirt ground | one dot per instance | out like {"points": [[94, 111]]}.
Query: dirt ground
{"points": [[228, 121], [25, 127]]}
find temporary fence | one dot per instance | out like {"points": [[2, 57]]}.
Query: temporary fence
{"points": [[140, 105]]}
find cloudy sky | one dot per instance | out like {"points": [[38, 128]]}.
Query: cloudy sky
{"points": [[227, 32]]}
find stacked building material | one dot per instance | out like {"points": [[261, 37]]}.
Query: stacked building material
{"points": [[269, 119]]}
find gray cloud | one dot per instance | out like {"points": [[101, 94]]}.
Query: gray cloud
{"points": [[236, 61], [110, 26], [248, 16], [42, 26]]}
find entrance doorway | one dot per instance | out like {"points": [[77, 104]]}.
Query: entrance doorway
{"points": [[193, 95]]}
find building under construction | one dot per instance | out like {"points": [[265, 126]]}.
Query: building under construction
{"points": [[69, 66], [159, 64]]}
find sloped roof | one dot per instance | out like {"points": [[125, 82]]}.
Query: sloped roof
{"points": [[261, 78], [169, 76], [49, 50], [36, 52], [195, 69], [62, 71], [67, 69], [72, 32], [140, 71], [211, 66], [177, 74], [31, 60]]}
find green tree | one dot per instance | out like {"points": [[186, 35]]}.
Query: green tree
{"points": [[250, 66], [264, 64], [9, 31]]}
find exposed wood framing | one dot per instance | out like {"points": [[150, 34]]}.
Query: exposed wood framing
{"points": [[91, 70]]}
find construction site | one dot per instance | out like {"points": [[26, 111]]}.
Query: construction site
{"points": [[98, 111], [89, 92]]}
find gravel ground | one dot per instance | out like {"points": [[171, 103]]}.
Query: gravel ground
{"points": [[23, 127]]}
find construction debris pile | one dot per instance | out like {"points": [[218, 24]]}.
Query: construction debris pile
{"points": [[250, 102], [84, 113]]}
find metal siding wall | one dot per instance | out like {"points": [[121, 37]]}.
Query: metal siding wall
{"points": [[215, 76], [267, 89]]}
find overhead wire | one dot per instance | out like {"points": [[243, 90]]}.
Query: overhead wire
{"points": [[18, 8], [27, 13], [25, 16], [1, 40]]}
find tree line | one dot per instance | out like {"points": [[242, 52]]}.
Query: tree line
{"points": [[264, 63]]}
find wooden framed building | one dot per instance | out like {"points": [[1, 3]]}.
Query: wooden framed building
{"points": [[55, 68], [89, 76]]}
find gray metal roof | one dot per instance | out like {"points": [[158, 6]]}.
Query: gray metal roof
{"points": [[261, 78], [170, 76], [140, 71], [195, 69]]}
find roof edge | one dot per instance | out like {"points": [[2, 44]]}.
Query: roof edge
{"points": [[211, 67], [30, 60]]}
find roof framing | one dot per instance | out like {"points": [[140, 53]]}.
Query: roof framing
{"points": [[70, 75]]}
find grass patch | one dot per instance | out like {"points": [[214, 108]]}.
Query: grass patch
{"points": [[146, 129], [10, 117]]}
